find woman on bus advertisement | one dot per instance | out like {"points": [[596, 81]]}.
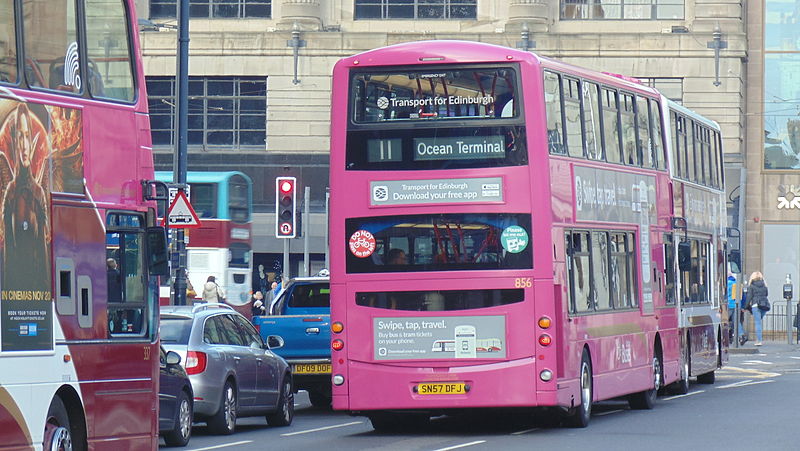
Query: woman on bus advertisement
{"points": [[40, 149]]}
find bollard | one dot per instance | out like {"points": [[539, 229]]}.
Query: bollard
{"points": [[787, 294]]}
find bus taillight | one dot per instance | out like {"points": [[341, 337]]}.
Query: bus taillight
{"points": [[337, 327], [544, 322], [337, 345], [195, 362], [545, 340]]}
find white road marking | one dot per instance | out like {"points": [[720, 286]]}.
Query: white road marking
{"points": [[793, 357], [226, 445], [600, 414], [476, 442], [744, 384], [525, 431], [683, 396], [756, 362], [735, 384], [352, 423]]}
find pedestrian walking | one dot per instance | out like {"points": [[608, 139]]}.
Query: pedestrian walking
{"points": [[212, 292], [757, 300]]}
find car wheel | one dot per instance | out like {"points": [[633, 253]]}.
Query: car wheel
{"points": [[284, 413], [319, 399], [57, 430], [224, 421], [182, 431], [581, 414]]}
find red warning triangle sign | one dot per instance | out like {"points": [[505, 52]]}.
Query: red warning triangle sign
{"points": [[181, 215]]}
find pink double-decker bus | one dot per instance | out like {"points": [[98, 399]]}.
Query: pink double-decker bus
{"points": [[506, 232], [80, 248]]}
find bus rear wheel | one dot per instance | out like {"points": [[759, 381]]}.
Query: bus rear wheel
{"points": [[580, 415], [646, 400]]}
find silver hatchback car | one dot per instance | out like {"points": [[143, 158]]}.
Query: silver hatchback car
{"points": [[233, 372]]}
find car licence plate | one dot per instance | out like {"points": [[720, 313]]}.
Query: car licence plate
{"points": [[311, 368], [441, 388]]}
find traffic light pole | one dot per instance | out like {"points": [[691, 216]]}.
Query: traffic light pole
{"points": [[181, 153]]}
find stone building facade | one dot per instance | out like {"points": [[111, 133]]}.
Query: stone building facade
{"points": [[664, 43]]}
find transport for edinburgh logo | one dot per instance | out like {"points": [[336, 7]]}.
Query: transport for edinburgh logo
{"points": [[380, 193], [383, 103]]}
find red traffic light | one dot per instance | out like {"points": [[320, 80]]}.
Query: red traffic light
{"points": [[286, 186]]}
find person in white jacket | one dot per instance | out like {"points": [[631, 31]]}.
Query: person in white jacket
{"points": [[212, 292]]}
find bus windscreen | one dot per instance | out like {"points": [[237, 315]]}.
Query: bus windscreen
{"points": [[445, 242]]}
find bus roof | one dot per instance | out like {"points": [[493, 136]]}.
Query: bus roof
{"points": [[437, 52], [201, 176], [455, 51]]}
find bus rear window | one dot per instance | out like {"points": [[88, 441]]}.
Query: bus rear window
{"points": [[439, 300], [446, 242], [175, 330], [433, 94]]}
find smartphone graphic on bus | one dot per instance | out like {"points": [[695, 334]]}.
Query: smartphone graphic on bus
{"points": [[465, 342]]}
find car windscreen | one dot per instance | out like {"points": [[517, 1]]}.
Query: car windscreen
{"points": [[175, 330], [310, 295]]}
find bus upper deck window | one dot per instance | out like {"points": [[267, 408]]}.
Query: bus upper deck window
{"points": [[8, 43], [52, 60]]}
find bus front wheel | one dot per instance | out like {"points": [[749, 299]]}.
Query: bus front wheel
{"points": [[57, 430]]}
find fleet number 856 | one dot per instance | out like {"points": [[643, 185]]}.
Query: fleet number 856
{"points": [[523, 282]]}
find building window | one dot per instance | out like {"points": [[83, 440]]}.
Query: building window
{"points": [[224, 112], [672, 88], [416, 9], [622, 9], [213, 9]]}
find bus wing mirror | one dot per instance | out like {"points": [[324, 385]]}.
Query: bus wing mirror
{"points": [[735, 259], [157, 251], [684, 256]]}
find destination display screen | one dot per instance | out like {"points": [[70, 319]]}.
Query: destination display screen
{"points": [[434, 94], [436, 148]]}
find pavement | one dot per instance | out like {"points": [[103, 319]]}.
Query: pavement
{"points": [[771, 346]]}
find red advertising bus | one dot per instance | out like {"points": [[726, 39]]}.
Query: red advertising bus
{"points": [[79, 356], [505, 232]]}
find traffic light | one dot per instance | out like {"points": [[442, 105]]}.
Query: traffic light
{"points": [[285, 204]]}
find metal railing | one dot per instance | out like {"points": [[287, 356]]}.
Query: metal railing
{"points": [[775, 325]]}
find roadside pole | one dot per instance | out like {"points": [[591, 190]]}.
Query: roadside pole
{"points": [[306, 229], [181, 153]]}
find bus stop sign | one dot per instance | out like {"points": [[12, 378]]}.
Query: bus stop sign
{"points": [[181, 215]]}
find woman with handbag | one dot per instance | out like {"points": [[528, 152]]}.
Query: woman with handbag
{"points": [[212, 292], [757, 301]]}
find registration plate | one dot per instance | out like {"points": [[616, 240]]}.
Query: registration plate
{"points": [[311, 368], [441, 388]]}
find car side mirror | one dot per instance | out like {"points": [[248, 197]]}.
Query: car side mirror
{"points": [[173, 358], [275, 342]]}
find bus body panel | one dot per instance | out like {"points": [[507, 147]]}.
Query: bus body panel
{"points": [[100, 156]]}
